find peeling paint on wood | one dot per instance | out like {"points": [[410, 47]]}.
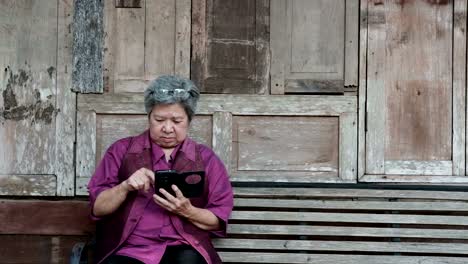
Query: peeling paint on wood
{"points": [[88, 30]]}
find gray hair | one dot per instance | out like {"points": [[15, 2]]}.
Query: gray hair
{"points": [[170, 89]]}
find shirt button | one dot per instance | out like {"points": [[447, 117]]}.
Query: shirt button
{"points": [[197, 242]]}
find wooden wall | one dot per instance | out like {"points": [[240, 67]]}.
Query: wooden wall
{"points": [[293, 91]]}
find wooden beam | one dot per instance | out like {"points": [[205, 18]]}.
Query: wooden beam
{"points": [[28, 185]]}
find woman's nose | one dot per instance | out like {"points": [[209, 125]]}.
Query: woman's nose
{"points": [[167, 127]]}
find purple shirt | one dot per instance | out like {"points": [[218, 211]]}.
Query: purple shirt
{"points": [[155, 231]]}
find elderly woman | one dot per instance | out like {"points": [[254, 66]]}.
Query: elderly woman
{"points": [[134, 225]]}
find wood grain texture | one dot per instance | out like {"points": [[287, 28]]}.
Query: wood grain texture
{"points": [[348, 147], [411, 167], [222, 137], [40, 217], [85, 143], [437, 180], [28, 90], [351, 66], [230, 46], [182, 41], [362, 90], [249, 257], [66, 105], [458, 86], [307, 56], [320, 105], [88, 30], [28, 185]]}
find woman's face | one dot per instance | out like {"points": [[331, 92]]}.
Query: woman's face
{"points": [[168, 125]]}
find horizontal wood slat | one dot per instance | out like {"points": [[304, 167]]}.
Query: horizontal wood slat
{"points": [[45, 217], [344, 231], [267, 244], [249, 257], [351, 205], [348, 193], [350, 218]]}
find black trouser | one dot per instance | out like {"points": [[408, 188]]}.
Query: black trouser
{"points": [[182, 254]]}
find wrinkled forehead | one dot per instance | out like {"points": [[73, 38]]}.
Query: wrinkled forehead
{"points": [[169, 111]]}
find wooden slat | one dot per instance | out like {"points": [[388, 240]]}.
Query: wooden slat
{"points": [[87, 71], [352, 205], [445, 180], [85, 144], [236, 104], [348, 147], [354, 246], [350, 193], [350, 218], [459, 88], [32, 217], [182, 38], [414, 167], [344, 231], [362, 91], [222, 137], [249, 257], [351, 45], [28, 185], [279, 47], [66, 102]]}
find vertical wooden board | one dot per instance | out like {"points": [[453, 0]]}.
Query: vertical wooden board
{"points": [[417, 58], [286, 143], [312, 55], [230, 45], [459, 90], [85, 143], [222, 137], [182, 39], [109, 45], [348, 146], [375, 113], [351, 65], [362, 89], [160, 35], [111, 128], [129, 61], [279, 33], [87, 46], [66, 102], [28, 58]]}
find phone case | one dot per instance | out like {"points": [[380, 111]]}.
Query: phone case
{"points": [[191, 183]]}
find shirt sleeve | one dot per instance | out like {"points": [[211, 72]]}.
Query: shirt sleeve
{"points": [[220, 195], [106, 174]]}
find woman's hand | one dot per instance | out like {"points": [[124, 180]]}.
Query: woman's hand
{"points": [[139, 180], [178, 205]]}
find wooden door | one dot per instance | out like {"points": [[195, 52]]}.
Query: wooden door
{"points": [[36, 103], [414, 91]]}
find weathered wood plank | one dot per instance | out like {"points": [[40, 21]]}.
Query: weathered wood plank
{"points": [[362, 92], [249, 257], [129, 61], [34, 217], [109, 45], [350, 193], [85, 143], [279, 47], [459, 89], [128, 3], [355, 246], [348, 147], [28, 90], [352, 205], [28, 185], [375, 89], [415, 167], [88, 30], [351, 65], [444, 180], [345, 231], [222, 137], [288, 176], [182, 38], [351, 218], [66, 104], [236, 104], [82, 186]]}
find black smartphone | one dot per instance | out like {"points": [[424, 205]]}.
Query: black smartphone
{"points": [[190, 183]]}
